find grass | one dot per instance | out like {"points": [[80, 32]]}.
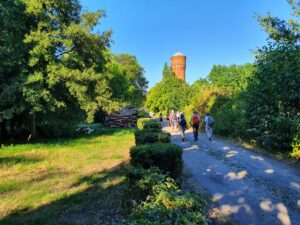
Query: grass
{"points": [[67, 181]]}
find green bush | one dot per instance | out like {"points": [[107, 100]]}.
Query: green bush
{"points": [[149, 136], [167, 157], [169, 207], [164, 137], [141, 121], [152, 125], [143, 183]]}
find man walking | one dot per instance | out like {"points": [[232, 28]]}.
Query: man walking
{"points": [[195, 121], [209, 123]]}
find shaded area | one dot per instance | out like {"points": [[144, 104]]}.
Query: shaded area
{"points": [[99, 203], [12, 160]]}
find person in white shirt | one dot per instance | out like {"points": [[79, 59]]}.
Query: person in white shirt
{"points": [[209, 122]]}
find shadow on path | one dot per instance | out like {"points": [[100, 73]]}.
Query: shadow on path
{"points": [[251, 189]]}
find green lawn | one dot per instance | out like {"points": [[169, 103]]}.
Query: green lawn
{"points": [[75, 181]]}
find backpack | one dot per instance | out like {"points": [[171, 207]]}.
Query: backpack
{"points": [[210, 121], [182, 122], [195, 120]]}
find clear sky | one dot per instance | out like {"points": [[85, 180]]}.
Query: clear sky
{"points": [[208, 32]]}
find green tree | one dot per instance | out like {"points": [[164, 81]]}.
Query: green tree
{"points": [[13, 62], [167, 72], [128, 81], [170, 93], [273, 104], [67, 60], [231, 79]]}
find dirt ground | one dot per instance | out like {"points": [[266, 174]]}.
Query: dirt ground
{"points": [[250, 188]]}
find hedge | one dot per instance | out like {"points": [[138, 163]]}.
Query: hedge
{"points": [[149, 136], [148, 123], [167, 157], [141, 121], [152, 125]]}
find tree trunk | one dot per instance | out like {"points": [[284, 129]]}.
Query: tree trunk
{"points": [[3, 130], [33, 127]]}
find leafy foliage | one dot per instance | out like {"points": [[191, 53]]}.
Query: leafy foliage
{"points": [[60, 66], [167, 157], [274, 97], [127, 79], [158, 200], [147, 136], [170, 93], [141, 122]]}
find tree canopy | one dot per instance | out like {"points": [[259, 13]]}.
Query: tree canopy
{"points": [[60, 65]]}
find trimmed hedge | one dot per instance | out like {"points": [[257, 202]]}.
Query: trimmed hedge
{"points": [[167, 157], [141, 121], [152, 125], [149, 136]]}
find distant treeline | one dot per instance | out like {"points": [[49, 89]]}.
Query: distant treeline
{"points": [[56, 69], [257, 102]]}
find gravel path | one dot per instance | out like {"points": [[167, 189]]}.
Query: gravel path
{"points": [[251, 189]]}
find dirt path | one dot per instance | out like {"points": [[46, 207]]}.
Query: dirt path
{"points": [[250, 188]]}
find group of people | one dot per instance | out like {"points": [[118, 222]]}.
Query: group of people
{"points": [[178, 120]]}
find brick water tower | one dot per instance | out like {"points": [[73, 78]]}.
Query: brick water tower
{"points": [[178, 65]]}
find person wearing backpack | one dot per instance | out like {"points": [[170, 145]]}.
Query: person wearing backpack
{"points": [[183, 126], [209, 123], [195, 122]]}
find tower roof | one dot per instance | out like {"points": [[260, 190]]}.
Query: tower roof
{"points": [[178, 54]]}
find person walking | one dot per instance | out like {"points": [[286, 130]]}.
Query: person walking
{"points": [[209, 123], [161, 118], [168, 119], [174, 119], [178, 118], [195, 122], [183, 126]]}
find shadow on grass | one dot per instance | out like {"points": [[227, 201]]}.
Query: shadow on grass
{"points": [[101, 131], [13, 160], [101, 203]]}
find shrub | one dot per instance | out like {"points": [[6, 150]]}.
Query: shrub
{"points": [[143, 183], [149, 136], [169, 207], [164, 137], [296, 145], [141, 121], [152, 125], [167, 157]]}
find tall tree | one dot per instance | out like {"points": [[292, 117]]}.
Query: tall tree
{"points": [[133, 74], [167, 72], [170, 93], [13, 61], [231, 79], [273, 103], [67, 59]]}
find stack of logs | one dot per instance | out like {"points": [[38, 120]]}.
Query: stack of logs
{"points": [[127, 117]]}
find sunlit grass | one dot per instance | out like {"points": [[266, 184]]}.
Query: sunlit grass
{"points": [[63, 181]]}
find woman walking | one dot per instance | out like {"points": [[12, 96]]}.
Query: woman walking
{"points": [[183, 126]]}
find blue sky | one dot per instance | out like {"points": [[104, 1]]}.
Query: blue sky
{"points": [[208, 32]]}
